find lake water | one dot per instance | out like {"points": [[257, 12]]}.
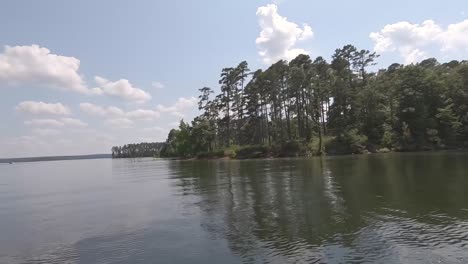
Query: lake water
{"points": [[389, 208]]}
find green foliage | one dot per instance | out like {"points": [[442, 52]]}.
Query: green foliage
{"points": [[449, 123], [432, 136], [211, 154], [389, 139], [293, 148], [349, 142], [314, 145], [179, 142], [138, 150], [252, 152], [231, 151], [310, 106]]}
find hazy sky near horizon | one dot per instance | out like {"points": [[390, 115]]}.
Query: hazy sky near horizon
{"points": [[77, 77]]}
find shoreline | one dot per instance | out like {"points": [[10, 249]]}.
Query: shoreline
{"points": [[314, 156]]}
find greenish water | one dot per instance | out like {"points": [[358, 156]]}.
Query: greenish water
{"points": [[389, 208]]}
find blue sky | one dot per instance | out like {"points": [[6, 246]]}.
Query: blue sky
{"points": [[78, 77]]}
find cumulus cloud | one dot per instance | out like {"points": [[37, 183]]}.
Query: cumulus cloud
{"points": [[143, 114], [157, 85], [455, 37], [97, 110], [34, 65], [119, 122], [57, 123], [41, 108], [115, 112], [155, 129], [121, 88], [38, 66], [73, 122], [44, 122], [174, 124], [66, 121], [45, 132], [117, 117], [415, 41], [154, 134], [48, 142], [278, 36], [278, 2], [94, 135], [179, 107]]}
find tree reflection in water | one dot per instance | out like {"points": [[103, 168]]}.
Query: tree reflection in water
{"points": [[355, 208]]}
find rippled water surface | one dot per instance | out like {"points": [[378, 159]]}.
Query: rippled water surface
{"points": [[395, 208]]}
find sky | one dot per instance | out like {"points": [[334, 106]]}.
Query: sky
{"points": [[78, 77]]}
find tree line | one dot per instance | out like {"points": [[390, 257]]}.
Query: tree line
{"points": [[137, 150], [313, 107]]}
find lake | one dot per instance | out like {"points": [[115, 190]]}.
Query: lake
{"points": [[383, 208]]}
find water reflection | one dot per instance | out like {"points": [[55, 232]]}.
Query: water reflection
{"points": [[395, 208], [380, 208]]}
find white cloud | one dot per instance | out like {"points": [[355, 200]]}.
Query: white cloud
{"points": [[34, 65], [154, 134], [117, 117], [73, 122], [155, 129], [97, 110], [177, 114], [455, 38], [67, 142], [157, 85], [41, 108], [44, 122], [119, 122], [142, 114], [37, 66], [115, 112], [174, 124], [45, 132], [94, 135], [412, 55], [415, 41], [22, 141], [306, 33], [179, 107], [278, 36], [121, 88], [278, 2]]}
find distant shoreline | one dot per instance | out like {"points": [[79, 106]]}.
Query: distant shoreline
{"points": [[109, 156], [55, 158]]}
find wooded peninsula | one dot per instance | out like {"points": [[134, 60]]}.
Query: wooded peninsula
{"points": [[311, 107]]}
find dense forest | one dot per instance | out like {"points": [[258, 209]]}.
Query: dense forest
{"points": [[137, 150], [313, 107]]}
